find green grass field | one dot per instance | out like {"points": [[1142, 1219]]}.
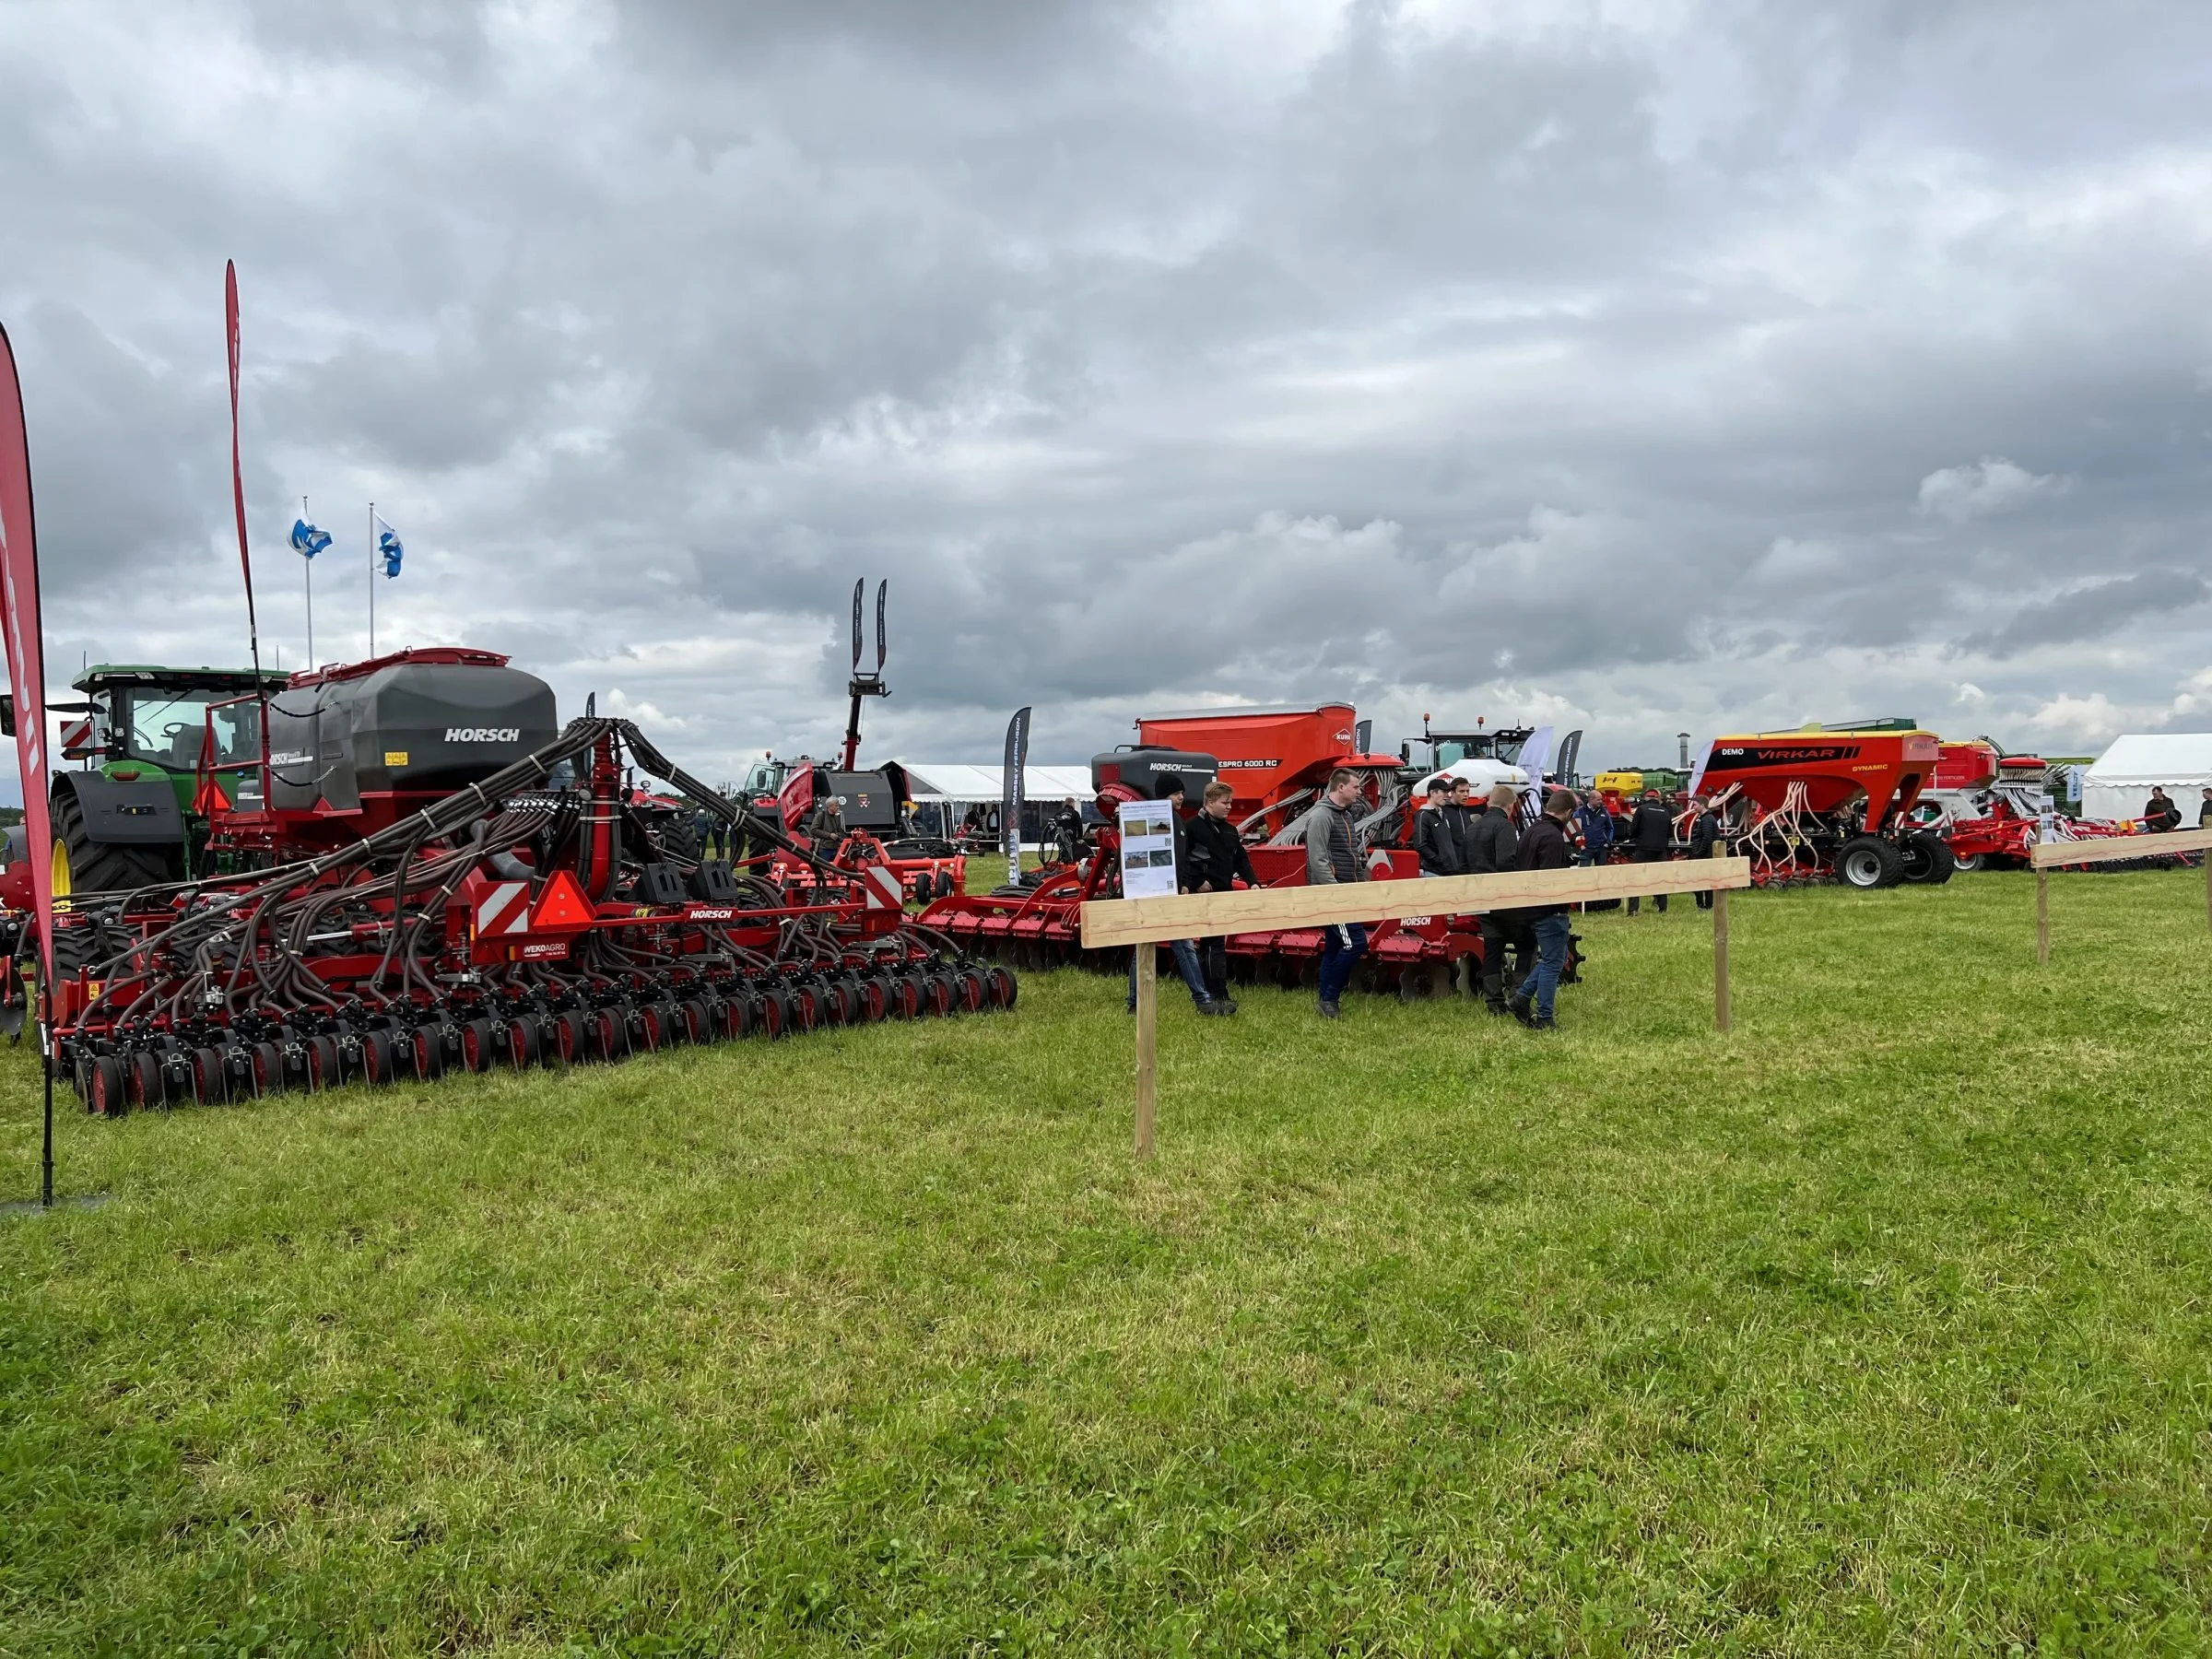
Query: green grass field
{"points": [[1879, 1325]]}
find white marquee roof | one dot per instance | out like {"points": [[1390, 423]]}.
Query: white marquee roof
{"points": [[957, 780]]}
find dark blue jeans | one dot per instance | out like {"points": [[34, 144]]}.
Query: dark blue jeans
{"points": [[1186, 964], [1543, 981], [1341, 949]]}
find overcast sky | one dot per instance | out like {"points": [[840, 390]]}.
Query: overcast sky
{"points": [[1641, 367]]}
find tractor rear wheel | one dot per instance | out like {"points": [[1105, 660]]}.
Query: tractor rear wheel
{"points": [[84, 866], [1927, 858], [1867, 861]]}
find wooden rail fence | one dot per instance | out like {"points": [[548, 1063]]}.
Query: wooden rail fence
{"points": [[1112, 922]]}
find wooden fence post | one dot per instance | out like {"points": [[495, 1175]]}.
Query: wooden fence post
{"points": [[1147, 1004], [1720, 959], [2043, 915]]}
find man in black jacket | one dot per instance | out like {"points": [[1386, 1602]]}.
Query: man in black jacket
{"points": [[1704, 836], [1490, 847], [1218, 859], [1435, 833], [2160, 813], [1067, 829], [1651, 837], [1169, 788], [1544, 847]]}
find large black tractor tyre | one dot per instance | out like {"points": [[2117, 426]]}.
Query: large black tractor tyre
{"points": [[1867, 861], [84, 866], [1927, 858]]}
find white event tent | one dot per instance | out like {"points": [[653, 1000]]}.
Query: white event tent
{"points": [[2118, 784], [952, 785]]}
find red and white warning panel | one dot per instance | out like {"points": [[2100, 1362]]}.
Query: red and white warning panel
{"points": [[503, 907]]}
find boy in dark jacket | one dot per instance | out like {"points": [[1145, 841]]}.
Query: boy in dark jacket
{"points": [[1491, 846], [1169, 789], [1704, 836], [1435, 836], [1651, 838], [1544, 847], [1217, 859]]}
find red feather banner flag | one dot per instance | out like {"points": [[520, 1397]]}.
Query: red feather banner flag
{"points": [[237, 476], [26, 651]]}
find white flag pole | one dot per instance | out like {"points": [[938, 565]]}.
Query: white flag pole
{"points": [[308, 560], [372, 579]]}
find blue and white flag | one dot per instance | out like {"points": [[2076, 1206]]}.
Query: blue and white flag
{"points": [[388, 545], [309, 540]]}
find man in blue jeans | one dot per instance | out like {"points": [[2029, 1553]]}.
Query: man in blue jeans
{"points": [[1544, 847], [1331, 857]]}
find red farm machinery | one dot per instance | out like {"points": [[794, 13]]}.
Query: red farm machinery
{"points": [[1279, 761], [876, 806], [420, 871], [1831, 803]]}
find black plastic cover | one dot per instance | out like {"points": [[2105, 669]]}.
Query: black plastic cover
{"points": [[1144, 768], [711, 883], [139, 813], [870, 798], [413, 727]]}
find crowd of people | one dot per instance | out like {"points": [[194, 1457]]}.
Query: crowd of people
{"points": [[1524, 951]]}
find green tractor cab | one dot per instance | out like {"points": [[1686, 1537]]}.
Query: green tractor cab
{"points": [[131, 822]]}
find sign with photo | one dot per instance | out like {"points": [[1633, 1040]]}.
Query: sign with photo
{"points": [[1147, 849]]}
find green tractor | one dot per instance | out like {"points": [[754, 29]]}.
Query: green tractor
{"points": [[132, 822]]}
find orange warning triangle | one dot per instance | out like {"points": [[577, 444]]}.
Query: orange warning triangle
{"points": [[561, 908]]}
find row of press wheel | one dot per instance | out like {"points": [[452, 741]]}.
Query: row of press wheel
{"points": [[167, 1070]]}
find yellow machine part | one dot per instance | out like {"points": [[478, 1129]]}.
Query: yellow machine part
{"points": [[1619, 783]]}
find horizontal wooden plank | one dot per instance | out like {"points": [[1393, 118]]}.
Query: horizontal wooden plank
{"points": [[1108, 923], [2105, 848]]}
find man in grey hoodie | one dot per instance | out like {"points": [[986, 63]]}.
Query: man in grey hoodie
{"points": [[1332, 856]]}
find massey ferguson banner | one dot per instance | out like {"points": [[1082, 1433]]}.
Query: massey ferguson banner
{"points": [[1009, 812], [26, 656]]}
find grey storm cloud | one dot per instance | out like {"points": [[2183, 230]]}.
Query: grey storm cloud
{"points": [[1716, 366], [2093, 611]]}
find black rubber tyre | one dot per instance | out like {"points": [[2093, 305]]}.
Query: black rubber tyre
{"points": [[1967, 865], [573, 1037], [378, 1066], [1008, 988], [144, 1082], [268, 1068], [1867, 861], [207, 1077], [108, 1094], [1927, 858], [97, 868], [480, 1044], [428, 1044], [326, 1063]]}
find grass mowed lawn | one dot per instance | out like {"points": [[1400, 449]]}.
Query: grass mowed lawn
{"points": [[1877, 1325]]}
